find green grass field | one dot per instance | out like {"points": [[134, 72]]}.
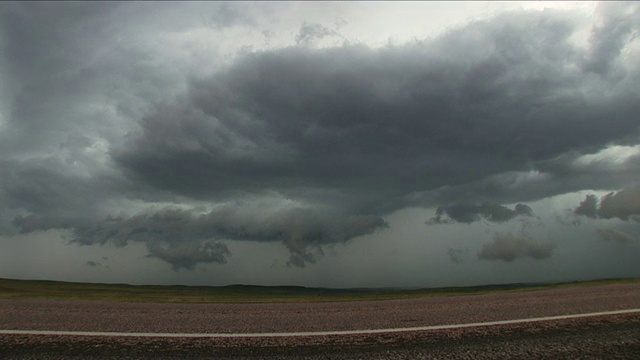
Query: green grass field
{"points": [[243, 293]]}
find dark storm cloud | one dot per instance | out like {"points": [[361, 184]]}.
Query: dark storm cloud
{"points": [[97, 109], [468, 213], [623, 205], [184, 238], [383, 123], [508, 247]]}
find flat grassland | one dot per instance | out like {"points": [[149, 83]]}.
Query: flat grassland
{"points": [[247, 293]]}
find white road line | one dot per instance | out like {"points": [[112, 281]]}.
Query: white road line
{"points": [[312, 333]]}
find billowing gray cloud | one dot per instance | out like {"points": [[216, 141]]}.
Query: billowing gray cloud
{"points": [[466, 213], [623, 205], [98, 112], [508, 247], [588, 207], [310, 32], [414, 117], [611, 235]]}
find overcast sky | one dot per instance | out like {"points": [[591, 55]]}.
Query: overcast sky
{"points": [[355, 144]]}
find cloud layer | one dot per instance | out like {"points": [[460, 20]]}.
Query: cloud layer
{"points": [[118, 123], [470, 213], [414, 117]]}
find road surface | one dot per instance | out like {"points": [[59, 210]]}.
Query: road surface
{"points": [[610, 336]]}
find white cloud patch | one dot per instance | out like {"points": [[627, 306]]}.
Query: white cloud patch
{"points": [[610, 158]]}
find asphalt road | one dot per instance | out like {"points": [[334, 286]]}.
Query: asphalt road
{"points": [[613, 336]]}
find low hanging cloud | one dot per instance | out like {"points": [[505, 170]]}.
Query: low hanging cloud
{"points": [[616, 236], [184, 238], [185, 255], [457, 255], [98, 264], [485, 211], [508, 247], [623, 205]]}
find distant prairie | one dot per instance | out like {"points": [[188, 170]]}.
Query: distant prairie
{"points": [[10, 288]]}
